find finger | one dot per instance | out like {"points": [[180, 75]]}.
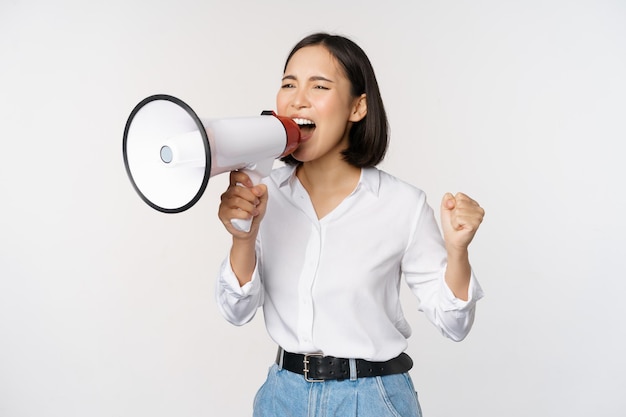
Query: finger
{"points": [[240, 177], [235, 192], [240, 200], [245, 198], [468, 219], [468, 207], [448, 201], [227, 215], [465, 198], [259, 190]]}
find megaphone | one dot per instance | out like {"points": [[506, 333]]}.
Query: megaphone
{"points": [[170, 153]]}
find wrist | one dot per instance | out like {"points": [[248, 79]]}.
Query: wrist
{"points": [[245, 241], [457, 253]]}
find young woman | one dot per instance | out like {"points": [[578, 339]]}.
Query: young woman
{"points": [[331, 238]]}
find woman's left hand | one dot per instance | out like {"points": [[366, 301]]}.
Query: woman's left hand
{"points": [[460, 218]]}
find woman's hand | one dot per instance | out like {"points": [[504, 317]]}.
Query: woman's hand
{"points": [[460, 218], [243, 200]]}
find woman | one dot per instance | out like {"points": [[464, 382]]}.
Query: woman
{"points": [[331, 237]]}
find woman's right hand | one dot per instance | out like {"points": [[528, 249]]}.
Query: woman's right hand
{"points": [[243, 200]]}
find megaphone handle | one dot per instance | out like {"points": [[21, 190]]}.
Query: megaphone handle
{"points": [[256, 172]]}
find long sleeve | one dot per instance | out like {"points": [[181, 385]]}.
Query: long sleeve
{"points": [[238, 304], [424, 266], [452, 316]]}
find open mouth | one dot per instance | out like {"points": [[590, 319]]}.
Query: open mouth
{"points": [[306, 126]]}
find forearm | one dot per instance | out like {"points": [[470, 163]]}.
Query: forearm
{"points": [[243, 259], [458, 273]]}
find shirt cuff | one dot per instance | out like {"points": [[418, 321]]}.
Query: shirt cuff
{"points": [[230, 283]]}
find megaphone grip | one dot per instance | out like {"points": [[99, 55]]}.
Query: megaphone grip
{"points": [[243, 225]]}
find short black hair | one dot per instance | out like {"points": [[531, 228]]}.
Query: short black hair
{"points": [[369, 137]]}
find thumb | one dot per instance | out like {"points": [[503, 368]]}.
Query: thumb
{"points": [[448, 202]]}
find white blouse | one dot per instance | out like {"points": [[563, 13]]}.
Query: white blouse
{"points": [[332, 285]]}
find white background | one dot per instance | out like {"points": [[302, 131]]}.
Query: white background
{"points": [[106, 306]]}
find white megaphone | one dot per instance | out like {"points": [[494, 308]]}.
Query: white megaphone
{"points": [[170, 153]]}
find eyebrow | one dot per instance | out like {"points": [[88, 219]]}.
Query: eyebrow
{"points": [[313, 78]]}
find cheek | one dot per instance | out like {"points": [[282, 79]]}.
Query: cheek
{"points": [[281, 103]]}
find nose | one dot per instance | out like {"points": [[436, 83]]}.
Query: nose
{"points": [[300, 99]]}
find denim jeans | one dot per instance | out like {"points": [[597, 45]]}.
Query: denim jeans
{"points": [[287, 394]]}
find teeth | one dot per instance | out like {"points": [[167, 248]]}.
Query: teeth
{"points": [[303, 122]]}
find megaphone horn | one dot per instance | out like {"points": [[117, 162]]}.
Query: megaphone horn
{"points": [[170, 153]]}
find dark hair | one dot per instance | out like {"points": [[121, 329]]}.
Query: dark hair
{"points": [[369, 137]]}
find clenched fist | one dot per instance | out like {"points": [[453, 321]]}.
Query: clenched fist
{"points": [[460, 218]]}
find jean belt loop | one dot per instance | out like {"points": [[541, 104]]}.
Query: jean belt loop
{"points": [[353, 374], [281, 357]]}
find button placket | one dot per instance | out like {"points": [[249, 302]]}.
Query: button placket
{"points": [[305, 288]]}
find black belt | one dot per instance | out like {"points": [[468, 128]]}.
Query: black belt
{"points": [[317, 368]]}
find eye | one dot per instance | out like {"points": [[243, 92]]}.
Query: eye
{"points": [[321, 87], [287, 85]]}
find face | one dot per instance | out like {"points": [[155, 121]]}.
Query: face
{"points": [[316, 93]]}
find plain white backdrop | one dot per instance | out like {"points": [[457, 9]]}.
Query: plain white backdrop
{"points": [[106, 306]]}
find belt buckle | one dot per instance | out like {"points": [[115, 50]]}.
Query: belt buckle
{"points": [[306, 369]]}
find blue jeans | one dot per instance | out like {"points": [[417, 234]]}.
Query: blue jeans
{"points": [[287, 394]]}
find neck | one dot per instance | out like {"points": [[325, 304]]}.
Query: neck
{"points": [[328, 185], [316, 175]]}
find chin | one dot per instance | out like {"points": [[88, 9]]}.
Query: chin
{"points": [[301, 156]]}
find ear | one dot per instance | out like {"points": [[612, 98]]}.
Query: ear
{"points": [[359, 109]]}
